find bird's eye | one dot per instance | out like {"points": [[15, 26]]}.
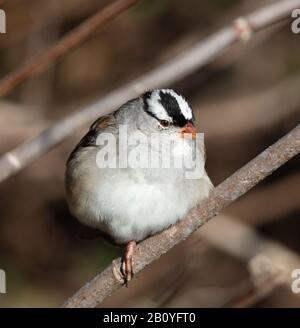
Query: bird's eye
{"points": [[164, 123]]}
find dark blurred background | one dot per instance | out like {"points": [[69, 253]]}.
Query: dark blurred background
{"points": [[244, 101]]}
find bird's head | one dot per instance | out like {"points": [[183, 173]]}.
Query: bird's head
{"points": [[168, 111]]}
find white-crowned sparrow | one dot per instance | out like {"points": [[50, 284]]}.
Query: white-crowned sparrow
{"points": [[126, 203]]}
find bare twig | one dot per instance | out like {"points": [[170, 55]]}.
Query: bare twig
{"points": [[189, 60], [180, 280], [42, 61], [104, 284]]}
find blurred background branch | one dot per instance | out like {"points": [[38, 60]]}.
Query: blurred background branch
{"points": [[270, 264], [76, 37]]}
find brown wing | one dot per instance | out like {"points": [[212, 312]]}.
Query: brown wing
{"points": [[103, 122], [89, 139]]}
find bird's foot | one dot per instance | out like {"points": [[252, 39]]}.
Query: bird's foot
{"points": [[127, 262]]}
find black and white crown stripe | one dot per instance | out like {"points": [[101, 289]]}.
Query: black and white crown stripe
{"points": [[166, 104]]}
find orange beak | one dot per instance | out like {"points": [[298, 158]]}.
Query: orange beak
{"points": [[189, 128]]}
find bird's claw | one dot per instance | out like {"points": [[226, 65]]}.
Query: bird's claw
{"points": [[127, 262], [124, 274]]}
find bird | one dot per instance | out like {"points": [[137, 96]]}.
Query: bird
{"points": [[128, 202]]}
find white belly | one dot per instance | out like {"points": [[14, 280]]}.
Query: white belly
{"points": [[131, 204], [130, 208]]}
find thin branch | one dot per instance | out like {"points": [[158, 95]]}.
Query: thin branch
{"points": [[179, 67], [104, 284], [177, 282], [73, 39]]}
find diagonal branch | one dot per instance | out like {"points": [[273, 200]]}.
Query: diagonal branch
{"points": [[73, 39], [104, 284], [177, 68]]}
